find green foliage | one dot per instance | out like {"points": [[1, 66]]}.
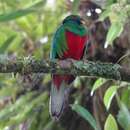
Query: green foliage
{"points": [[98, 83], [86, 115], [124, 117], [6, 44], [27, 28], [110, 123], [75, 6], [114, 31], [14, 15], [109, 94], [109, 2], [21, 110], [125, 97], [118, 13], [19, 13]]}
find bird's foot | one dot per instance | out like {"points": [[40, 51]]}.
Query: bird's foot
{"points": [[66, 63], [84, 60]]}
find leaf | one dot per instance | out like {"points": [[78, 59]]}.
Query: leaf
{"points": [[109, 94], [104, 15], [110, 2], [85, 114], [8, 91], [15, 14], [97, 84], [6, 44], [123, 117], [114, 17], [114, 31], [15, 44], [77, 82], [39, 4], [125, 97], [24, 24], [19, 13], [21, 110], [110, 123], [75, 6]]}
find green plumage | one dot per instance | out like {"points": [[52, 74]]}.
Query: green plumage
{"points": [[75, 28], [59, 45]]}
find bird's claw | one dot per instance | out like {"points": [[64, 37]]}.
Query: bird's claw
{"points": [[66, 63], [85, 60]]}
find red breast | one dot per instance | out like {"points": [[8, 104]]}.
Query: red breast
{"points": [[75, 45]]}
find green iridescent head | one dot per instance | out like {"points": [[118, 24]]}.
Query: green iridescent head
{"points": [[74, 18]]}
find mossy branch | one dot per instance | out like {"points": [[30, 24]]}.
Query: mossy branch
{"points": [[87, 68]]}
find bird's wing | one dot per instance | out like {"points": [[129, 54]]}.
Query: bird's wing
{"points": [[59, 45]]}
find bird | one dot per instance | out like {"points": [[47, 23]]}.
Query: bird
{"points": [[69, 42]]}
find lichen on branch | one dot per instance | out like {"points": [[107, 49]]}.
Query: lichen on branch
{"points": [[85, 68]]}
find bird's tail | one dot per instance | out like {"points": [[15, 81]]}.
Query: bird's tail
{"points": [[58, 99], [59, 94]]}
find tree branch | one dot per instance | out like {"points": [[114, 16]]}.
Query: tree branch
{"points": [[30, 65]]}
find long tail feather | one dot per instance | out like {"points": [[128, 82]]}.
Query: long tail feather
{"points": [[58, 99]]}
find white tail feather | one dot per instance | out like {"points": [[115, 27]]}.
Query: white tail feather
{"points": [[58, 98]]}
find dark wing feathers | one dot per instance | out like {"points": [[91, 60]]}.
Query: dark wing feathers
{"points": [[59, 43]]}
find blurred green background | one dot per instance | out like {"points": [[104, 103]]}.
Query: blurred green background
{"points": [[27, 28]]}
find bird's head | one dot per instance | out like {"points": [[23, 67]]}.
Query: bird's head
{"points": [[75, 19]]}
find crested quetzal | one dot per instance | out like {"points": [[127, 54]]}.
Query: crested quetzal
{"points": [[69, 42]]}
